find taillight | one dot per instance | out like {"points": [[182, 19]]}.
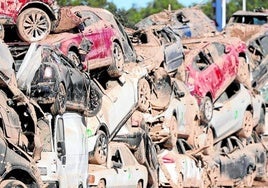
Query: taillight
{"points": [[168, 159]]}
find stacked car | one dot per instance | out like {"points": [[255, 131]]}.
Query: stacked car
{"points": [[86, 104]]}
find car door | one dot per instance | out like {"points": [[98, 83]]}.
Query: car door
{"points": [[173, 50], [121, 172], [93, 33], [230, 106], [11, 7]]}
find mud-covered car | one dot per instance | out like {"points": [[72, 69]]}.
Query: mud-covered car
{"points": [[97, 42], [34, 19], [244, 24], [178, 168], [242, 110], [258, 54], [210, 66], [121, 169], [164, 41], [239, 163], [187, 22], [54, 81], [120, 98], [17, 167]]}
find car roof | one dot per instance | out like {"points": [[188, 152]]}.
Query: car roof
{"points": [[249, 13]]}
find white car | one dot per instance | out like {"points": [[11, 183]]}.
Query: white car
{"points": [[238, 111], [120, 98], [179, 169], [121, 170]]}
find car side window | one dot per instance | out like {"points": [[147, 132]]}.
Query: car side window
{"points": [[264, 45], [90, 18], [116, 157]]}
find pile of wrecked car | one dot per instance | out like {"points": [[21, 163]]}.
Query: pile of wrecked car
{"points": [[86, 104]]}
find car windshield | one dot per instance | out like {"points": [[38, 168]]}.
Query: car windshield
{"points": [[254, 20]]}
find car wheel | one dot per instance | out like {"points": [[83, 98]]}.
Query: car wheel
{"points": [[95, 99], [74, 57], [209, 142], [206, 110], [260, 129], [247, 126], [101, 184], [12, 183], [144, 95], [59, 106], [100, 150], [140, 185], [33, 24], [116, 68]]}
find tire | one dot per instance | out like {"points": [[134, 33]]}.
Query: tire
{"points": [[101, 149], [101, 184], [59, 106], [74, 57], [249, 178], [140, 184], [144, 95], [95, 100], [206, 110], [12, 184], [247, 126], [260, 129], [33, 24], [116, 68]]}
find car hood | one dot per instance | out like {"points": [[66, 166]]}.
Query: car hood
{"points": [[29, 66]]}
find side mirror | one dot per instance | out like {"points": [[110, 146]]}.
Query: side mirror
{"points": [[218, 105], [117, 165]]}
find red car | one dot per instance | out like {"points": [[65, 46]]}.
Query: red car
{"points": [[100, 41], [211, 66], [34, 19]]}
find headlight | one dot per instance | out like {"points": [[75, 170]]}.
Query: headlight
{"points": [[48, 73]]}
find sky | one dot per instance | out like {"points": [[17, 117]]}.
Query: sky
{"points": [[126, 4]]}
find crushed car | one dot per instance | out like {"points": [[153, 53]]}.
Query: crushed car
{"points": [[239, 163], [164, 41], [179, 168], [121, 169], [186, 22], [244, 24], [34, 20], [243, 111], [258, 55], [120, 98], [210, 66], [97, 42], [54, 81]]}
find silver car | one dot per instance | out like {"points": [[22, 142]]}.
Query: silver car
{"points": [[121, 170], [238, 111]]}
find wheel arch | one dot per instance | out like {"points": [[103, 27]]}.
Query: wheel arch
{"points": [[22, 174], [42, 6], [75, 50], [103, 127]]}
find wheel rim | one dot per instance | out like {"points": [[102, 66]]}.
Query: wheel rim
{"points": [[118, 56], [144, 95], [36, 25], [208, 109], [102, 146]]}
